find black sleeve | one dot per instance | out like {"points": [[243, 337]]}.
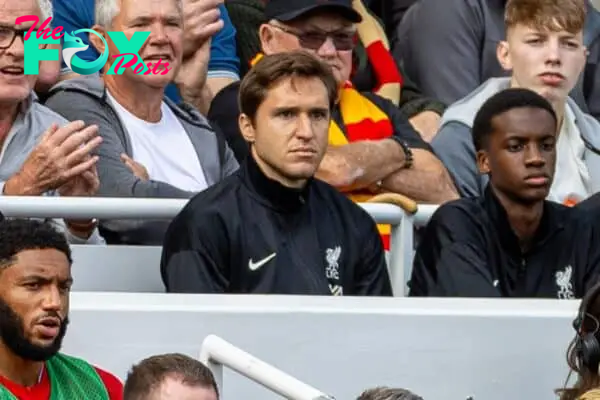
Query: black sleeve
{"points": [[194, 252], [451, 258], [372, 277], [224, 111], [403, 130]]}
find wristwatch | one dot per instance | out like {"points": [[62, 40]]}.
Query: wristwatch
{"points": [[408, 154]]}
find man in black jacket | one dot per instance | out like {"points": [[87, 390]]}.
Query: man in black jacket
{"points": [[272, 227], [510, 242]]}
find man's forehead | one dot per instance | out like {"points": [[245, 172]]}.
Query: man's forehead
{"points": [[47, 263], [149, 8], [10, 10], [298, 92]]}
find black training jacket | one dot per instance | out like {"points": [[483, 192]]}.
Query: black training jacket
{"points": [[470, 250], [249, 234]]}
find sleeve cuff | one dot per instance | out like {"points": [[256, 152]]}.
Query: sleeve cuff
{"points": [[223, 74], [94, 238]]}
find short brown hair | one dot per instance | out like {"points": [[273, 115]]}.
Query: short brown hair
{"points": [[151, 372], [270, 69], [386, 393], [546, 15]]}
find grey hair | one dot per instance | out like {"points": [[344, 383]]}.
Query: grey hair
{"points": [[45, 8], [107, 10]]}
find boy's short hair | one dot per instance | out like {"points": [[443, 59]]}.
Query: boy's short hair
{"points": [[499, 103], [546, 15]]}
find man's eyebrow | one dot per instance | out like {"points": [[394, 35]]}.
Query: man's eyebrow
{"points": [[7, 262]]}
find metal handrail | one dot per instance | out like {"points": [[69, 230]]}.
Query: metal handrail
{"points": [[217, 353]]}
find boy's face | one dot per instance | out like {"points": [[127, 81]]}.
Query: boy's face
{"points": [[546, 62]]}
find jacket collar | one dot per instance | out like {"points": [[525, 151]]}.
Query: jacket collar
{"points": [[271, 192], [550, 223]]}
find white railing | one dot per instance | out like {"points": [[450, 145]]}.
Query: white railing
{"points": [[217, 353], [401, 251]]}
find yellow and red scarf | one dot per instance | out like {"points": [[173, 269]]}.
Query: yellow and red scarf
{"points": [[363, 120]]}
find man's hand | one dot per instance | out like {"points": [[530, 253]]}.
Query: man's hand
{"points": [[337, 170], [201, 20], [62, 154], [85, 184], [138, 169], [427, 124]]}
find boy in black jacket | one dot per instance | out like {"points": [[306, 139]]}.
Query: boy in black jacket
{"points": [[510, 242]]}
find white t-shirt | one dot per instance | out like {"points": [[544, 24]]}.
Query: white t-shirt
{"points": [[572, 178], [164, 148]]}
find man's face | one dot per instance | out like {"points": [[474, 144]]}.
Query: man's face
{"points": [[164, 20], [290, 131], [174, 389], [34, 303], [316, 34], [15, 86], [546, 62], [520, 154]]}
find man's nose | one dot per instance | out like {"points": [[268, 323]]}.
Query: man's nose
{"points": [[327, 48], [553, 52], [533, 156], [158, 33], [52, 299], [17, 48], [304, 127]]}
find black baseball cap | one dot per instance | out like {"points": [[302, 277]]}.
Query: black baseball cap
{"points": [[288, 10]]}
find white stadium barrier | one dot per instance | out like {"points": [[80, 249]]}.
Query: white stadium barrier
{"points": [[113, 261], [447, 349], [217, 353]]}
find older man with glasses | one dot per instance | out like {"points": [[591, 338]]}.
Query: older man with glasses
{"points": [[372, 146], [42, 153]]}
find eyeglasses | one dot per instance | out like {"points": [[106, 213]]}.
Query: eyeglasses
{"points": [[8, 35], [342, 41]]}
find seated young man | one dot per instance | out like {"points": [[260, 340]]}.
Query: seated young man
{"points": [[510, 242], [35, 282], [544, 50], [272, 227]]}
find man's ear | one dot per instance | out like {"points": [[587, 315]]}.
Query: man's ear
{"points": [[95, 40], [503, 55], [267, 39], [246, 128], [483, 162]]}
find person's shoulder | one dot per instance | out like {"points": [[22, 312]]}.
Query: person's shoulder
{"points": [[216, 199], [113, 385], [229, 92], [45, 116], [458, 212]]}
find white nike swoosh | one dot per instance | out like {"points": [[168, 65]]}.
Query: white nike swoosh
{"points": [[256, 265]]}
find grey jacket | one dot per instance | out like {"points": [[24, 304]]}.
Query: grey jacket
{"points": [[454, 144], [85, 99]]}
